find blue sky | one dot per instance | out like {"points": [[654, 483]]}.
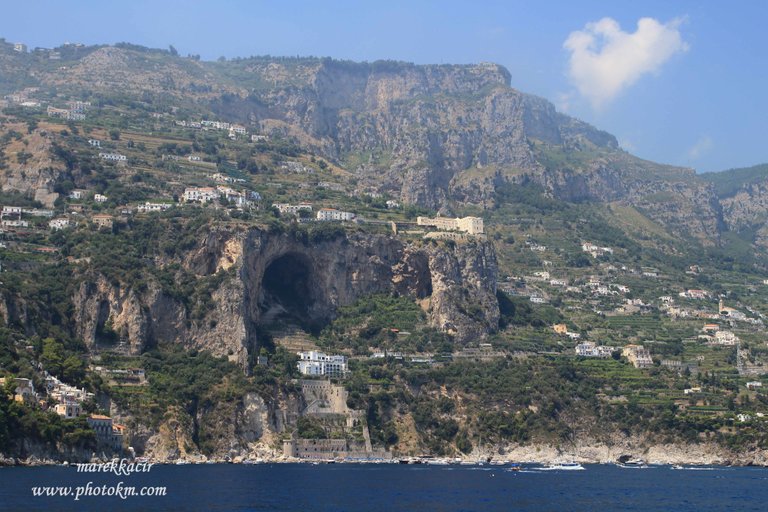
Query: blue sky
{"points": [[688, 88]]}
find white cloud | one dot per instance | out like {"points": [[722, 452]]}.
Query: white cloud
{"points": [[702, 146], [605, 60]]}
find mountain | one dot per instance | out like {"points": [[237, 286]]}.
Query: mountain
{"points": [[458, 343], [436, 136]]}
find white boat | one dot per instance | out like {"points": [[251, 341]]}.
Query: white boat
{"points": [[633, 463], [563, 466]]}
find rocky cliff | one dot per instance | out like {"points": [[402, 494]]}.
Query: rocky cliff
{"points": [[246, 278]]}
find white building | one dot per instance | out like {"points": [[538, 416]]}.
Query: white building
{"points": [[200, 194], [471, 225], [153, 207], [590, 349], [638, 355], [292, 209], [325, 214], [57, 224], [726, 338], [595, 250], [11, 211], [95, 143], [77, 194], [320, 364], [14, 223], [114, 157], [99, 198]]}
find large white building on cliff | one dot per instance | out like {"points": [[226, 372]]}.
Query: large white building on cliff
{"points": [[471, 225]]}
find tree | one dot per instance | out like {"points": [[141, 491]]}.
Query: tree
{"points": [[114, 134], [53, 356], [173, 51]]}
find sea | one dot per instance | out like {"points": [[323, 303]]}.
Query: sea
{"points": [[386, 488]]}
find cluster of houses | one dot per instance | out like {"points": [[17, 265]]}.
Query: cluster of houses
{"points": [[295, 167], [209, 194], [319, 364], [13, 216], [323, 214], [22, 97], [233, 129], [69, 398], [69, 404], [562, 329]]}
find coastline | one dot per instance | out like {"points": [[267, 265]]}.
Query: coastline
{"points": [[705, 454]]}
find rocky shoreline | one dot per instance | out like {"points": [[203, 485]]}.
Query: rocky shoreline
{"points": [[662, 454]]}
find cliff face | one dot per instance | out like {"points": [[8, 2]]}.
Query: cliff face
{"points": [[747, 209], [251, 277], [410, 129], [36, 175], [436, 134]]}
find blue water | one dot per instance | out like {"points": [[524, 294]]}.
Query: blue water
{"points": [[392, 487]]}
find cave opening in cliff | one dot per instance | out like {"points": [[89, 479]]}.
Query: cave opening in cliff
{"points": [[287, 295]]}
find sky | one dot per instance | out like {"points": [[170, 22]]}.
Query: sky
{"points": [[680, 82]]}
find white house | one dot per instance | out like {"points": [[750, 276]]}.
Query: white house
{"points": [[99, 198], [95, 143], [14, 223], [325, 214], [114, 157], [57, 224], [77, 194], [11, 211]]}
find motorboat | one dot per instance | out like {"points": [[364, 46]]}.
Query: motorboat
{"points": [[563, 466]]}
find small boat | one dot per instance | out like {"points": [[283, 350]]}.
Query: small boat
{"points": [[677, 466], [633, 463], [563, 466], [514, 467]]}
